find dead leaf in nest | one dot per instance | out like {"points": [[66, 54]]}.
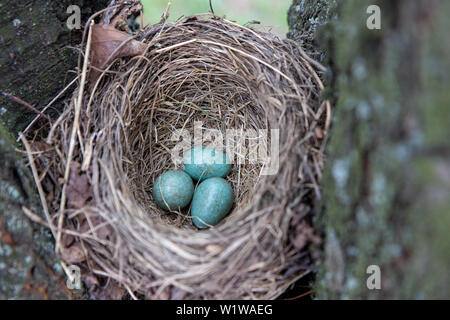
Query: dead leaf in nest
{"points": [[71, 251], [108, 44], [73, 254], [79, 190], [67, 240], [97, 293], [94, 288]]}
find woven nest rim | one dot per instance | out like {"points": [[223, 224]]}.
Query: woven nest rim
{"points": [[117, 232]]}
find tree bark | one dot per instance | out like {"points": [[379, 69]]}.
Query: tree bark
{"points": [[34, 59], [29, 268], [306, 19], [387, 175], [35, 56]]}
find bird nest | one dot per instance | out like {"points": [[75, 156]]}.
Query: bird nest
{"points": [[203, 76]]}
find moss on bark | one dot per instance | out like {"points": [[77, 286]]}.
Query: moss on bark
{"points": [[34, 59], [35, 56], [386, 174]]}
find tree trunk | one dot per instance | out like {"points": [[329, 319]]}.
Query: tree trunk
{"points": [[34, 60], [35, 56], [387, 175], [387, 179], [28, 266], [306, 19]]}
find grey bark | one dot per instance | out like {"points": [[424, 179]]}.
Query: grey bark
{"points": [[34, 60], [387, 176], [28, 266], [35, 54]]}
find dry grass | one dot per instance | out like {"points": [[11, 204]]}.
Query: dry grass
{"points": [[114, 138]]}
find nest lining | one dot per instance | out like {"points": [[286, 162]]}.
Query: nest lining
{"points": [[228, 77]]}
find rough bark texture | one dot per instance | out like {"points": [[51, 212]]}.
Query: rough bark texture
{"points": [[34, 53], [388, 178], [28, 266], [306, 19], [34, 61]]}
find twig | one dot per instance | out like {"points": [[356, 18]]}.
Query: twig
{"points": [[26, 104], [328, 119], [318, 65], [175, 46], [131, 292], [211, 7], [301, 295], [165, 15], [73, 135], [38, 183], [46, 107], [34, 217]]}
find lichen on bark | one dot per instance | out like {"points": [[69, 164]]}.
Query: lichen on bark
{"points": [[306, 19]]}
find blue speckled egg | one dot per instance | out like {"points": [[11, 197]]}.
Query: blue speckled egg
{"points": [[203, 162], [173, 190], [211, 202]]}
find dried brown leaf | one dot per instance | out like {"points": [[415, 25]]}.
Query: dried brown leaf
{"points": [[73, 254], [67, 240], [108, 43], [79, 190]]}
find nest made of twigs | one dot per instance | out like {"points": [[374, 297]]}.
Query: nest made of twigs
{"points": [[105, 151]]}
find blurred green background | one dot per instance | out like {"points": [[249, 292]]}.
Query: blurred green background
{"points": [[271, 13]]}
